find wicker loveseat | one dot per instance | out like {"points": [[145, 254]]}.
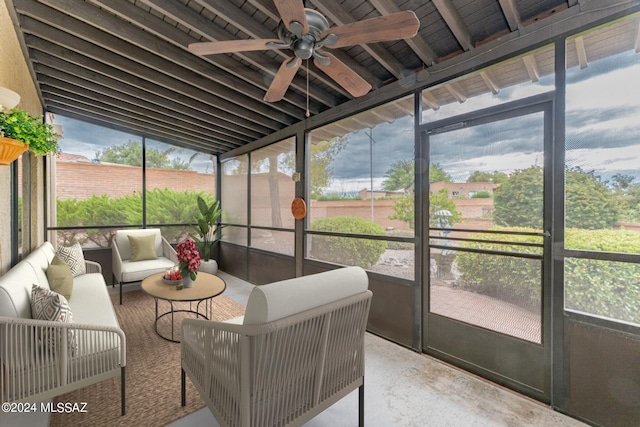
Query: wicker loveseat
{"points": [[298, 349], [38, 359]]}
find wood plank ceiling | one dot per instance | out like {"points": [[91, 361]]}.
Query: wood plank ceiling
{"points": [[125, 64]]}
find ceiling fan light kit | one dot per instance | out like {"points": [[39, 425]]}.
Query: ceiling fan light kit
{"points": [[305, 32]]}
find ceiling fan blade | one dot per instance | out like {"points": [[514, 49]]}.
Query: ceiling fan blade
{"points": [[345, 76], [293, 11], [401, 25], [232, 46], [283, 79]]}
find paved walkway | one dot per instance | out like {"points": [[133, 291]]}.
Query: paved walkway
{"points": [[486, 312]]}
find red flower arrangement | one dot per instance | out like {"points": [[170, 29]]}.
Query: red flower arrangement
{"points": [[189, 258]]}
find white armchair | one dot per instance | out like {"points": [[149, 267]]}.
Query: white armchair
{"points": [[126, 270], [298, 350]]}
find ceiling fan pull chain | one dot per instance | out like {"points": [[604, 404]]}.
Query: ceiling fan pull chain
{"points": [[307, 114]]}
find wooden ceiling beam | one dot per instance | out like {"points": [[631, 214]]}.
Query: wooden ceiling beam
{"points": [[130, 67], [68, 63], [453, 19], [86, 22], [531, 67], [457, 91], [581, 52], [128, 124], [430, 100], [340, 16], [490, 81], [63, 88], [103, 103], [417, 43], [511, 14]]}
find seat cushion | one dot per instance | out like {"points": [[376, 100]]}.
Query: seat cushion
{"points": [[91, 303], [288, 297], [142, 247], [138, 270], [60, 277]]}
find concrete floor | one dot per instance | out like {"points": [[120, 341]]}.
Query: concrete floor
{"points": [[406, 389], [403, 388]]}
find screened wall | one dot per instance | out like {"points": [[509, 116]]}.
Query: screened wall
{"points": [[496, 213]]}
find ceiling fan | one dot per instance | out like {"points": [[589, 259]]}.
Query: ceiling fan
{"points": [[306, 32]]}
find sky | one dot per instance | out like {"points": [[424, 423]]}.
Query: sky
{"points": [[603, 133]]}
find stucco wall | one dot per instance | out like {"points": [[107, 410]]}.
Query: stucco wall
{"points": [[14, 75]]}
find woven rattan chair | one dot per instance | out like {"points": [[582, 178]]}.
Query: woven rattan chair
{"points": [[298, 349]]}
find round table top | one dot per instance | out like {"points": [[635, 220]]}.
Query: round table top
{"points": [[205, 286]]}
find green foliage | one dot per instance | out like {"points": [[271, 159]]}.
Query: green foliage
{"points": [[321, 155], [30, 130], [604, 288], [441, 201], [347, 250], [481, 195], [497, 177], [206, 226], [399, 176], [335, 197], [630, 204], [589, 203], [131, 154], [515, 279], [164, 206], [404, 209], [519, 201], [437, 173]]}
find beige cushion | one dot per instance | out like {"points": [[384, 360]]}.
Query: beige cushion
{"points": [[74, 258], [49, 305], [142, 247], [288, 297], [60, 277]]}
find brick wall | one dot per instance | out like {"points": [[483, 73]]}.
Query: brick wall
{"points": [[81, 180]]}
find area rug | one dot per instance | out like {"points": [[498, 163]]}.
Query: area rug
{"points": [[153, 372]]}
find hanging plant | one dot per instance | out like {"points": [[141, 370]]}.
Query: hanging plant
{"points": [[39, 137]]}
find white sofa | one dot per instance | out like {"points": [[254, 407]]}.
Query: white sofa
{"points": [[125, 270], [298, 349], [31, 371]]}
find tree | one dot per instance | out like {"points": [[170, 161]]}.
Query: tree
{"points": [[623, 181], [495, 176], [404, 208], [519, 201], [437, 173], [399, 176], [589, 203], [131, 154], [321, 155]]}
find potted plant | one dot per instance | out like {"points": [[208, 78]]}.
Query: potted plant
{"points": [[20, 131], [205, 237]]}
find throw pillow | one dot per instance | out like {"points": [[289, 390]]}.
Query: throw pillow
{"points": [[49, 305], [60, 277], [143, 247], [74, 258]]}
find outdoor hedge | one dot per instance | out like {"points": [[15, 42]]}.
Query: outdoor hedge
{"points": [[347, 250], [604, 288]]}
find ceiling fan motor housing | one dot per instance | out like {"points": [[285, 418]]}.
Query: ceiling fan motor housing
{"points": [[304, 46]]}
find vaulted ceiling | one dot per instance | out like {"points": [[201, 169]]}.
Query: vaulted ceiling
{"points": [[125, 63]]}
